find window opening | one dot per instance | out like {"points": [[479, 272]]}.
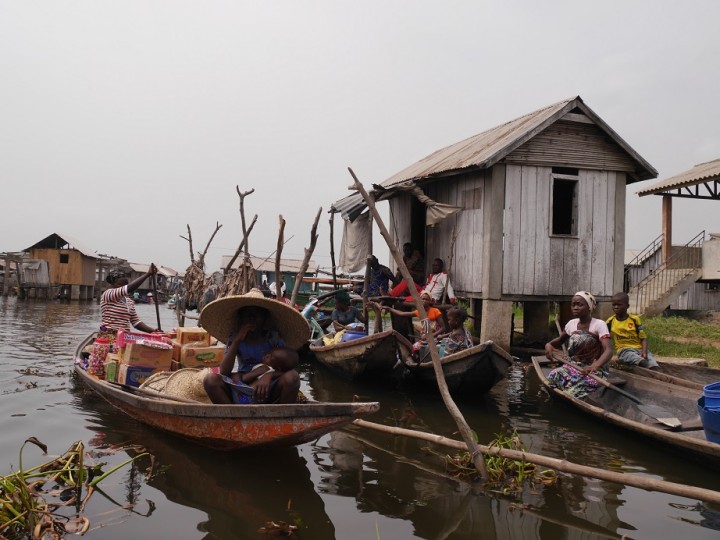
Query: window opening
{"points": [[564, 207]]}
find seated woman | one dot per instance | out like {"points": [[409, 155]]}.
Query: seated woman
{"points": [[345, 314], [254, 326], [249, 387], [588, 346]]}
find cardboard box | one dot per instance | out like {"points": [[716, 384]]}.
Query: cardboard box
{"points": [[124, 338], [176, 350], [134, 375], [194, 356], [138, 354], [112, 361], [190, 334]]}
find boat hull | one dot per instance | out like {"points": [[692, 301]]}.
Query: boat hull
{"points": [[616, 409], [372, 356], [230, 427], [470, 372], [696, 377]]}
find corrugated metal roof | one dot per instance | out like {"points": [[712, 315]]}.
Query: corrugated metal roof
{"points": [[487, 148], [57, 241], [268, 265], [697, 175]]}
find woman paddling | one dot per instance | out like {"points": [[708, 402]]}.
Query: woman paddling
{"points": [[588, 346]]}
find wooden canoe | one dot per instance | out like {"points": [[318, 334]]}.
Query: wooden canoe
{"points": [[374, 356], [618, 410], [228, 427], [696, 377], [471, 372]]}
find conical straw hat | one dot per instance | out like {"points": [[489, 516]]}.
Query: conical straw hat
{"points": [[220, 317]]}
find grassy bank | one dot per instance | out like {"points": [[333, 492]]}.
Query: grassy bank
{"points": [[684, 338]]}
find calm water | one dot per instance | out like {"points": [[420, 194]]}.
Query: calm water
{"points": [[352, 484]]}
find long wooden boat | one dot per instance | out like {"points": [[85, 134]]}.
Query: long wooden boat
{"points": [[376, 355], [616, 409], [227, 427], [470, 372], [696, 377]]}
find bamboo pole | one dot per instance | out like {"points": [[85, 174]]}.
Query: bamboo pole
{"points": [[306, 260], [332, 249], [450, 261], [452, 408], [242, 244], [278, 255], [242, 195], [561, 465]]}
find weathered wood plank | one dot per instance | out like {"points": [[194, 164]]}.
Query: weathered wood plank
{"points": [[556, 266], [585, 232], [542, 232], [571, 280], [528, 219], [599, 232], [619, 232], [513, 210]]}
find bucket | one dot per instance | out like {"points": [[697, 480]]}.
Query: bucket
{"points": [[710, 420], [711, 393]]}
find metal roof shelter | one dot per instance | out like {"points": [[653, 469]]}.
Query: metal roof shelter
{"points": [[485, 149], [700, 182]]}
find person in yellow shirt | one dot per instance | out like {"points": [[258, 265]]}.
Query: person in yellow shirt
{"points": [[629, 337]]}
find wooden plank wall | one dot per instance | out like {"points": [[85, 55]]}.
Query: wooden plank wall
{"points": [[573, 144], [535, 263], [698, 298], [468, 192], [79, 270]]}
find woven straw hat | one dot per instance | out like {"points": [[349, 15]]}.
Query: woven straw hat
{"points": [[220, 317], [185, 383]]}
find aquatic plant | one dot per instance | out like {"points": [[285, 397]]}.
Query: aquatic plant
{"points": [[508, 476], [30, 510]]}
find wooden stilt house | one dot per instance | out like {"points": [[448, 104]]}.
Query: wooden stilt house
{"points": [[71, 267], [536, 212]]}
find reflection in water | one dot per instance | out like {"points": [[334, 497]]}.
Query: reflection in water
{"points": [[350, 484]]}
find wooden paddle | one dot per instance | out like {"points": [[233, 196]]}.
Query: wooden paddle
{"points": [[653, 411], [155, 299]]}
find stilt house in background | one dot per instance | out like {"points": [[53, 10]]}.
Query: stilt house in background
{"points": [[71, 266], [540, 214]]}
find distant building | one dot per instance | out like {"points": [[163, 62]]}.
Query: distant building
{"points": [[71, 266]]}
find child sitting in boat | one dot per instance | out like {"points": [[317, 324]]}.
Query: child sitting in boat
{"points": [[459, 337], [629, 337], [246, 387], [435, 320]]}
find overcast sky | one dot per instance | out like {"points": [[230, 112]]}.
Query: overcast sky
{"points": [[123, 122]]}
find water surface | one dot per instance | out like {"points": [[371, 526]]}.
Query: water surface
{"points": [[351, 484]]}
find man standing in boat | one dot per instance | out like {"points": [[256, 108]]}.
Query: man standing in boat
{"points": [[117, 308]]}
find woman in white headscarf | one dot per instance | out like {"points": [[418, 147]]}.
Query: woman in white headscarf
{"points": [[589, 346]]}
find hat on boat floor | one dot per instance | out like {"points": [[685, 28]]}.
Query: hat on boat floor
{"points": [[185, 383], [220, 317]]}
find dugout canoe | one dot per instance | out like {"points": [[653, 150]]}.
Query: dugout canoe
{"points": [[378, 355], [471, 372], [690, 376], [226, 427], [618, 410]]}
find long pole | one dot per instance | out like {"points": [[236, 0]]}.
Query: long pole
{"points": [[463, 427], [561, 465], [155, 298]]}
